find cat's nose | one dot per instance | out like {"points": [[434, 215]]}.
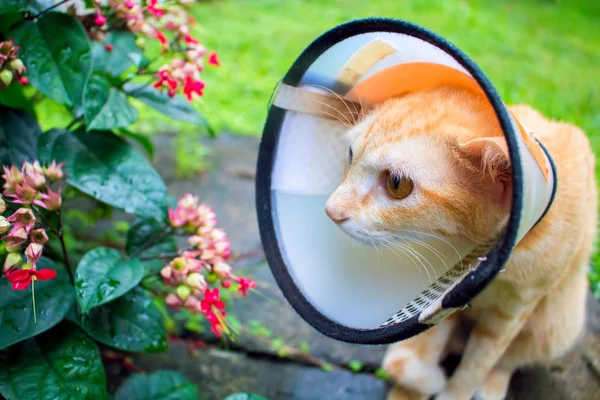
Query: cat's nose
{"points": [[335, 215]]}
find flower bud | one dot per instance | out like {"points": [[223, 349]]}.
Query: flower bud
{"points": [[13, 260], [34, 175], [38, 236], [173, 301], [2, 205], [17, 65], [6, 77], [4, 225], [196, 281], [222, 269], [183, 292], [33, 252], [212, 278], [53, 171]]}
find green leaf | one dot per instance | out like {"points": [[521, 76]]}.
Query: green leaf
{"points": [[132, 323], [143, 141], [34, 6], [124, 55], [62, 364], [19, 134], [174, 107], [53, 299], [13, 97], [244, 396], [106, 108], [355, 365], [161, 385], [103, 275], [147, 233], [107, 168], [56, 52]]}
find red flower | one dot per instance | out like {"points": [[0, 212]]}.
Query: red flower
{"points": [[161, 38], [109, 47], [213, 60], [164, 77], [192, 86], [215, 323], [246, 284], [157, 12], [211, 299], [190, 40], [22, 278]]}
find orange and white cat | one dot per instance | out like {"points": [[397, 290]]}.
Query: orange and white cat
{"points": [[437, 161]]}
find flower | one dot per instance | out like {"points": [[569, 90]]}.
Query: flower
{"points": [[22, 218], [161, 38], [246, 284], [22, 278], [211, 299], [173, 300], [34, 175], [192, 86], [196, 282], [213, 59], [24, 194], [11, 177], [156, 12], [38, 236], [215, 322], [223, 270], [54, 172], [50, 201], [4, 225], [13, 260], [15, 238], [2, 205], [33, 252]]}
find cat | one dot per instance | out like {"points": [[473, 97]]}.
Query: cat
{"points": [[437, 161]]}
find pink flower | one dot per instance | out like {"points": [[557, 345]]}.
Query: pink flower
{"points": [[38, 236], [223, 270], [21, 279], [161, 38], [173, 300], [23, 218], [246, 284], [193, 305], [50, 201], [24, 194], [33, 252], [100, 20], [34, 175], [177, 217], [188, 201], [129, 4], [15, 238], [213, 59], [189, 39], [11, 177], [54, 172]]}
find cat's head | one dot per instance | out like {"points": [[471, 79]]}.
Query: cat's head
{"points": [[434, 161]]}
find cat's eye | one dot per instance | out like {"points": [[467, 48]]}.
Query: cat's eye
{"points": [[350, 155], [397, 186]]}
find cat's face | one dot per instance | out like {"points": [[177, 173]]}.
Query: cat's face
{"points": [[429, 162]]}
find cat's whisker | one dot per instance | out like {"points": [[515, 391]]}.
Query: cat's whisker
{"points": [[349, 123], [438, 238], [336, 118], [435, 251], [417, 256], [402, 255], [341, 99], [362, 107]]}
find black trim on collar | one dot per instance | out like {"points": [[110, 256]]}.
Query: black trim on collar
{"points": [[466, 289]]}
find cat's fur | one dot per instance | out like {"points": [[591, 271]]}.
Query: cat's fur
{"points": [[448, 141]]}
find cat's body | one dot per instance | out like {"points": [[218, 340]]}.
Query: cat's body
{"points": [[457, 164]]}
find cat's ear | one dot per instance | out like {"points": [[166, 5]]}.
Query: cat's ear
{"points": [[489, 155]]}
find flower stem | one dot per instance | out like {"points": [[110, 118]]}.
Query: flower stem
{"points": [[64, 248], [52, 7], [33, 300]]}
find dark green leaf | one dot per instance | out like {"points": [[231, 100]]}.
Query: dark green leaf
{"points": [[244, 396], [132, 322], [62, 364], [161, 385], [124, 55], [56, 52], [53, 299], [103, 275], [19, 134], [106, 108], [33, 6], [174, 107], [107, 168], [145, 239], [144, 141]]}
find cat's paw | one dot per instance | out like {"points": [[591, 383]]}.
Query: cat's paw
{"points": [[409, 371], [444, 396]]}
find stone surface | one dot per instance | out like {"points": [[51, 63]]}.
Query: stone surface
{"points": [[220, 373], [252, 365]]}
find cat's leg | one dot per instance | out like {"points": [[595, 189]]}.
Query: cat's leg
{"points": [[413, 364], [496, 384], [489, 339]]}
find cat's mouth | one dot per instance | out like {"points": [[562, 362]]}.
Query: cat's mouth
{"points": [[361, 235]]}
